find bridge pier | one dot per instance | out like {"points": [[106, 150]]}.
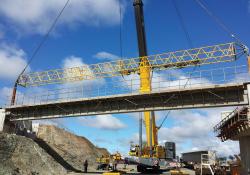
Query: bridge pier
{"points": [[236, 126], [244, 140], [245, 154]]}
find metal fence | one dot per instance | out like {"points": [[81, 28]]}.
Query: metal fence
{"points": [[161, 82]]}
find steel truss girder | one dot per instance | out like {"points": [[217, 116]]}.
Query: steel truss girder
{"points": [[222, 95], [178, 59]]}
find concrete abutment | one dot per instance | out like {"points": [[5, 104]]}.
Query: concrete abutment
{"points": [[245, 154], [13, 126]]}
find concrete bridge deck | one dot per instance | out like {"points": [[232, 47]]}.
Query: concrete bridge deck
{"points": [[231, 94]]}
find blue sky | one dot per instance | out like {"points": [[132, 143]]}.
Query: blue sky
{"points": [[88, 32]]}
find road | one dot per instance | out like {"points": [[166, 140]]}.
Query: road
{"points": [[131, 170]]}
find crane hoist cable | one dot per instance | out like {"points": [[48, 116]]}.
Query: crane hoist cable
{"points": [[190, 43], [120, 32], [222, 25], [187, 35], [184, 27], [45, 37], [216, 19], [165, 118], [40, 44], [190, 75], [219, 22]]}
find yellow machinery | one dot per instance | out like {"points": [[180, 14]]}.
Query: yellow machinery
{"points": [[105, 161], [112, 173], [178, 172]]}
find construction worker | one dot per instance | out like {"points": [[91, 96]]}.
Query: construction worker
{"points": [[115, 165], [85, 166]]}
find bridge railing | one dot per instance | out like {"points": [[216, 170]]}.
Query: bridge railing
{"points": [[173, 80]]}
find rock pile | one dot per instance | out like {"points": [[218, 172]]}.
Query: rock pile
{"points": [[53, 151], [21, 155]]}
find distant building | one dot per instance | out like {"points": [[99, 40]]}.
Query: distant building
{"points": [[195, 157], [170, 150]]}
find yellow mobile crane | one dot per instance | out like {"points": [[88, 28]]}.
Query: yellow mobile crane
{"points": [[152, 150], [151, 155]]}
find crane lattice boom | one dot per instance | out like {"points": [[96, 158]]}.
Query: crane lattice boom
{"points": [[178, 59]]}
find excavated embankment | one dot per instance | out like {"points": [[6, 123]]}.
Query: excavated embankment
{"points": [[54, 151], [72, 148], [21, 155]]}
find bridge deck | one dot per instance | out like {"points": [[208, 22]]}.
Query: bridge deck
{"points": [[233, 94]]}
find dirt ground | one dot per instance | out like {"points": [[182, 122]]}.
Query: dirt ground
{"points": [[131, 169]]}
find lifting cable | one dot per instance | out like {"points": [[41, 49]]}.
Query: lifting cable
{"points": [[44, 39], [120, 32], [222, 25], [40, 44], [219, 22], [190, 43], [163, 120]]}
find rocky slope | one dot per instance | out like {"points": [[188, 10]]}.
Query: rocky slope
{"points": [[73, 149], [21, 155]]}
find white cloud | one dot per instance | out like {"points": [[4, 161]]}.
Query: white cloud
{"points": [[135, 138], [106, 56], [12, 61], [196, 127], [35, 16], [74, 62], [192, 130], [106, 122]]}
